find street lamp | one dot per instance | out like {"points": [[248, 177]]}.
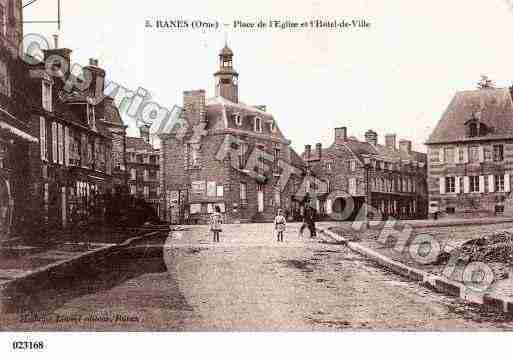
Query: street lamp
{"points": [[367, 166]]}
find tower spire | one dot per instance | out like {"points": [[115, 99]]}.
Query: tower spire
{"points": [[226, 76]]}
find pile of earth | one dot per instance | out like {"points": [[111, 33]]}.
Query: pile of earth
{"points": [[495, 249]]}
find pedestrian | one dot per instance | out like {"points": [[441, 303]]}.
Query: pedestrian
{"points": [[312, 214], [215, 223], [279, 225], [304, 225]]}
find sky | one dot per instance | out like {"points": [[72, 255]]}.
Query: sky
{"points": [[398, 76]]}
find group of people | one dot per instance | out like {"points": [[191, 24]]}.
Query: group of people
{"points": [[280, 223]]}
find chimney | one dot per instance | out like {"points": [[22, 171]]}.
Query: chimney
{"points": [[144, 131], [405, 146], [340, 134], [97, 74], [59, 58], [194, 106], [391, 140], [371, 137], [318, 150], [308, 152]]}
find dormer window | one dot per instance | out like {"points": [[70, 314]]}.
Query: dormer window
{"points": [[46, 95], [258, 124], [237, 119], [474, 126]]}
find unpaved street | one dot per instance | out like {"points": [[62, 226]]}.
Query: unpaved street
{"points": [[250, 282]]}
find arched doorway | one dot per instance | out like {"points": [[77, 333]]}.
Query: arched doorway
{"points": [[6, 207]]}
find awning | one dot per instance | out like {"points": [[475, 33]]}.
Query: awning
{"points": [[17, 132]]}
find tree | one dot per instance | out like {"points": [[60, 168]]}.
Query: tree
{"points": [[485, 83]]}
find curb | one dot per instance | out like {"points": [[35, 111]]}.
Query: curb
{"points": [[43, 277], [493, 303]]}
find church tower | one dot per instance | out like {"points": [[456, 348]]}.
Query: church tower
{"points": [[227, 77]]}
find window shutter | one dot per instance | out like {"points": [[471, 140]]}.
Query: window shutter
{"points": [[442, 185], [466, 184], [456, 155], [60, 147], [465, 154], [55, 158], [42, 136], [481, 184], [66, 146], [481, 154], [507, 182], [457, 187], [442, 155], [491, 183]]}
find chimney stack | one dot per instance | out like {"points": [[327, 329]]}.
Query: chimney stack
{"points": [[405, 146], [391, 140], [308, 151], [341, 134], [144, 131], [371, 137], [318, 150], [97, 84]]}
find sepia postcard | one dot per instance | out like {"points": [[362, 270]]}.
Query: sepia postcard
{"points": [[220, 166]]}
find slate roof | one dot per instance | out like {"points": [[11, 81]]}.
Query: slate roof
{"points": [[220, 113], [362, 149], [138, 144], [493, 107]]}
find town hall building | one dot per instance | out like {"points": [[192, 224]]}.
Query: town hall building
{"points": [[195, 179]]}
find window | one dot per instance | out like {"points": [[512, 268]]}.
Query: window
{"points": [[329, 166], [54, 143], [220, 191], [133, 189], [258, 124], [243, 192], [145, 175], [499, 209], [60, 148], [241, 155], [474, 154], [133, 174], [450, 184], [352, 165], [237, 119], [42, 138], [473, 130], [352, 186], [474, 183], [140, 158], [5, 80], [499, 183], [498, 153], [461, 154], [449, 155], [450, 210], [272, 126], [47, 95], [3, 20], [434, 156]]}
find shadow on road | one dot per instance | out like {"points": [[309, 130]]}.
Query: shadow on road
{"points": [[86, 278]]}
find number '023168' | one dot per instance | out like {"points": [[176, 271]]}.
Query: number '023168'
{"points": [[19, 345]]}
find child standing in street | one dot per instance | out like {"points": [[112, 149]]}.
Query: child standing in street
{"points": [[279, 225], [215, 223]]}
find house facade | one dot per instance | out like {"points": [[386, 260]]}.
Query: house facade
{"points": [[71, 166], [143, 167], [16, 134], [224, 164], [470, 155], [391, 177]]}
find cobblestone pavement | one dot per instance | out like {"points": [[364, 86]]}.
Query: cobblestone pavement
{"points": [[250, 282]]}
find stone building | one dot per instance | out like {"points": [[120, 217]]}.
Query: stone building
{"points": [[71, 167], [470, 155], [215, 159], [143, 167], [391, 176], [16, 135]]}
